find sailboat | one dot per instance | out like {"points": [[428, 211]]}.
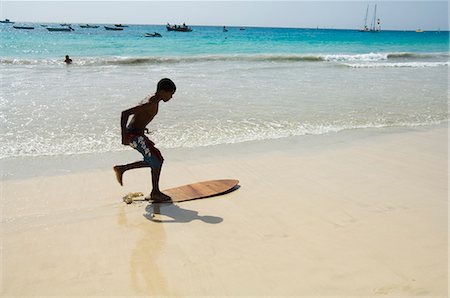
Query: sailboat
{"points": [[376, 27], [365, 28]]}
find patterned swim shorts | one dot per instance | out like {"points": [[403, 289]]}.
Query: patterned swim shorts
{"points": [[152, 156]]}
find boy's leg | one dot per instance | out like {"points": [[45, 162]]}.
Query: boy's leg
{"points": [[156, 173], [152, 159], [156, 195], [156, 160], [144, 146], [119, 170]]}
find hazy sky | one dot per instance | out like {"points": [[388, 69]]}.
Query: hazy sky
{"points": [[427, 15]]}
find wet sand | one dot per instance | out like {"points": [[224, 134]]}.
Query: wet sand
{"points": [[361, 213]]}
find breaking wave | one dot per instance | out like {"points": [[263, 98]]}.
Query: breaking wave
{"points": [[187, 135], [398, 65], [130, 61]]}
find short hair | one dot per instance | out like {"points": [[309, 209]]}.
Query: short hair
{"points": [[166, 85]]}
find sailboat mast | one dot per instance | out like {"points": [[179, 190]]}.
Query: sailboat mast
{"points": [[374, 18], [365, 19]]}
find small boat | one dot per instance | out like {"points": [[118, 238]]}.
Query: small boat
{"points": [[60, 29], [113, 28], [6, 21], [419, 30], [88, 26], [120, 25], [66, 24], [242, 29], [156, 34], [182, 28], [44, 25], [23, 27]]}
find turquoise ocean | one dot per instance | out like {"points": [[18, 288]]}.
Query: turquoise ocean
{"points": [[241, 85]]}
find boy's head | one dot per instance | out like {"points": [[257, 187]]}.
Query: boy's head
{"points": [[166, 88]]}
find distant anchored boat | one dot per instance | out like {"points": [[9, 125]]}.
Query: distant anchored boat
{"points": [[365, 28], [88, 26], [182, 28], [60, 29], [6, 21], [375, 26], [113, 28], [120, 25], [23, 27]]}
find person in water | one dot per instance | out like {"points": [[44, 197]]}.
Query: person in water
{"points": [[68, 60], [133, 136]]}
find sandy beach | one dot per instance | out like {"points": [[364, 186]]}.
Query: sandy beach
{"points": [[358, 213]]}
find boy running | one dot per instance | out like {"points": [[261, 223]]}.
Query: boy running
{"points": [[133, 135]]}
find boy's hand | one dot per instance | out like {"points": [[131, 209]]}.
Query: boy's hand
{"points": [[126, 139]]}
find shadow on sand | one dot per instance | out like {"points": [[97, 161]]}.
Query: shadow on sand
{"points": [[170, 213]]}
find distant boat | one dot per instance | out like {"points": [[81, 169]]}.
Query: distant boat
{"points": [[88, 26], [376, 27], [113, 28], [182, 28], [120, 25], [23, 27], [365, 28], [242, 29], [66, 24], [419, 30], [156, 34], [6, 21], [60, 29]]}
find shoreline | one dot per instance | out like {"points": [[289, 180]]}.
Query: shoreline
{"points": [[357, 214], [16, 168]]}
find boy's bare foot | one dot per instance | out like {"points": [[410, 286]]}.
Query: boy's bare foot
{"points": [[119, 173], [159, 197]]}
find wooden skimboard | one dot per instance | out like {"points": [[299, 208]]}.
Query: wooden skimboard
{"points": [[200, 190]]}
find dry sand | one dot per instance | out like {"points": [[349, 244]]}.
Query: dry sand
{"points": [[360, 214]]}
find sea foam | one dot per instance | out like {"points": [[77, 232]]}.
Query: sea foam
{"points": [[130, 61]]}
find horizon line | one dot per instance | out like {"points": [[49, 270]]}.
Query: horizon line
{"points": [[231, 26]]}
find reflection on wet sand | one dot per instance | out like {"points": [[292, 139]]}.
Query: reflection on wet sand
{"points": [[146, 276]]}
